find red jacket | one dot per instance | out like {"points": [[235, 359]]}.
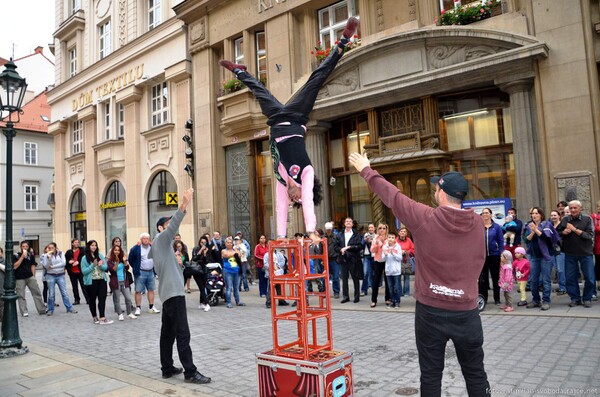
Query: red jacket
{"points": [[407, 246], [259, 254], [450, 246], [596, 222]]}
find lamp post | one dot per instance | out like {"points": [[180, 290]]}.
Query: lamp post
{"points": [[12, 91]]}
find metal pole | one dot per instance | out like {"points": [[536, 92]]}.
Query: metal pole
{"points": [[11, 344]]}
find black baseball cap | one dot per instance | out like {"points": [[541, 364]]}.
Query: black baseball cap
{"points": [[162, 221], [453, 183]]}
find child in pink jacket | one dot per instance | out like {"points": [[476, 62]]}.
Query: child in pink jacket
{"points": [[506, 279], [522, 269]]}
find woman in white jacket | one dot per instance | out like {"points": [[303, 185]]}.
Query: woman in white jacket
{"points": [[54, 262]]}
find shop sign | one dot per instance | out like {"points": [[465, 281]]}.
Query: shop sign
{"points": [[80, 216], [498, 206], [108, 87], [171, 198], [106, 206], [264, 5]]}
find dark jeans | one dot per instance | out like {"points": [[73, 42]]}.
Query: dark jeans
{"points": [[263, 282], [303, 101], [378, 269], [368, 272], [277, 290], [491, 265], [574, 265], [200, 282], [97, 290], [334, 273], [175, 327], [76, 281], [345, 270], [433, 328]]}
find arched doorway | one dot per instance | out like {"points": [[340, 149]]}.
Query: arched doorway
{"points": [[115, 223], [158, 206], [78, 216]]}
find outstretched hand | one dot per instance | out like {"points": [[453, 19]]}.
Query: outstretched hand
{"points": [[359, 161], [187, 196]]}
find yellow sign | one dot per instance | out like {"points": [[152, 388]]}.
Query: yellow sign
{"points": [[80, 216], [171, 198], [105, 206]]}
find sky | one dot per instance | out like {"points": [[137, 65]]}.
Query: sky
{"points": [[27, 24]]}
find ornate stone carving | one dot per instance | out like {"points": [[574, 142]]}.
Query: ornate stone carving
{"points": [[348, 82], [102, 8], [379, 13], [159, 151], [378, 209], [198, 31], [412, 10], [442, 56], [122, 22], [576, 187]]}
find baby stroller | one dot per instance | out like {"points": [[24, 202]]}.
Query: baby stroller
{"points": [[481, 302], [215, 283]]}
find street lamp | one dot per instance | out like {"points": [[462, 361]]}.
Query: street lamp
{"points": [[12, 91]]}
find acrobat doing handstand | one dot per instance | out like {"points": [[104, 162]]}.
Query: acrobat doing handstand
{"points": [[291, 164]]}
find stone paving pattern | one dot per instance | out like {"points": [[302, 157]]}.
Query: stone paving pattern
{"points": [[528, 352]]}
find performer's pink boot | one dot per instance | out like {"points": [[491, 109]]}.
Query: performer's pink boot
{"points": [[232, 66]]}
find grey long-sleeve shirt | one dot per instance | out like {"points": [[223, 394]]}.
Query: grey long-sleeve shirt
{"points": [[170, 274]]}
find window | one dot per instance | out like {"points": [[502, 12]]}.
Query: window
{"points": [[105, 40], [160, 104], [332, 21], [72, 62], [121, 132], [77, 137], [239, 50], [261, 57], [31, 198], [75, 6], [154, 17], [107, 120], [31, 153]]}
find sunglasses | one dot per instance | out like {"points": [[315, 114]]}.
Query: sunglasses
{"points": [[382, 228]]}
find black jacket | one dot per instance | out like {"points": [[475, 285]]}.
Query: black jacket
{"points": [[351, 257]]}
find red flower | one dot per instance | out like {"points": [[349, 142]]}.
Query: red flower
{"points": [[482, 11], [356, 36], [443, 12]]}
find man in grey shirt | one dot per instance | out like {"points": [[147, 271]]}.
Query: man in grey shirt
{"points": [[170, 289]]}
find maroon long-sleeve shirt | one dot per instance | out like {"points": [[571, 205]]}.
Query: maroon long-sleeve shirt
{"points": [[449, 245]]}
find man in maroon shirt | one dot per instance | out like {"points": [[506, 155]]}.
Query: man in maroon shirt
{"points": [[449, 242]]}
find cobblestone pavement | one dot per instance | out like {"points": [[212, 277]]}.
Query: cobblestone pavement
{"points": [[531, 355]]}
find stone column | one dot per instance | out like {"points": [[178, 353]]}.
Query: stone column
{"points": [[427, 11], [316, 146], [94, 221], [525, 146]]}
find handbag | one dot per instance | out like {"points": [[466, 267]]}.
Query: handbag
{"points": [[408, 267], [195, 268]]}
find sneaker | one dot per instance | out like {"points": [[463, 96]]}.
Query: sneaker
{"points": [[132, 316], [201, 306], [106, 322], [575, 303], [531, 305], [197, 378], [545, 306], [207, 308], [508, 309], [595, 298], [587, 304], [72, 311], [240, 304], [522, 303], [232, 66], [503, 307], [96, 321], [49, 313], [388, 307], [25, 314], [350, 28], [121, 317], [154, 310], [336, 296], [138, 311], [561, 292], [229, 305]]}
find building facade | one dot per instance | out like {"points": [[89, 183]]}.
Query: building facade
{"points": [[32, 175], [120, 107], [511, 101]]}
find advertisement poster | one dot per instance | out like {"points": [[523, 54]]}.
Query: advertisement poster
{"points": [[498, 206]]}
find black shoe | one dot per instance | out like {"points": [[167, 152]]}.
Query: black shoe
{"points": [[356, 300], [268, 306], [197, 378], [283, 303], [294, 304], [173, 371], [575, 303], [76, 303], [345, 300]]}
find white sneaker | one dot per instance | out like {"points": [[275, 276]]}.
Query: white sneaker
{"points": [[154, 310], [132, 316], [207, 308], [106, 322], [202, 306], [138, 311], [25, 314], [121, 317]]}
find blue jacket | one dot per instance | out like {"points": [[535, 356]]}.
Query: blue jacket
{"points": [[86, 269], [494, 240], [135, 259], [517, 229]]}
